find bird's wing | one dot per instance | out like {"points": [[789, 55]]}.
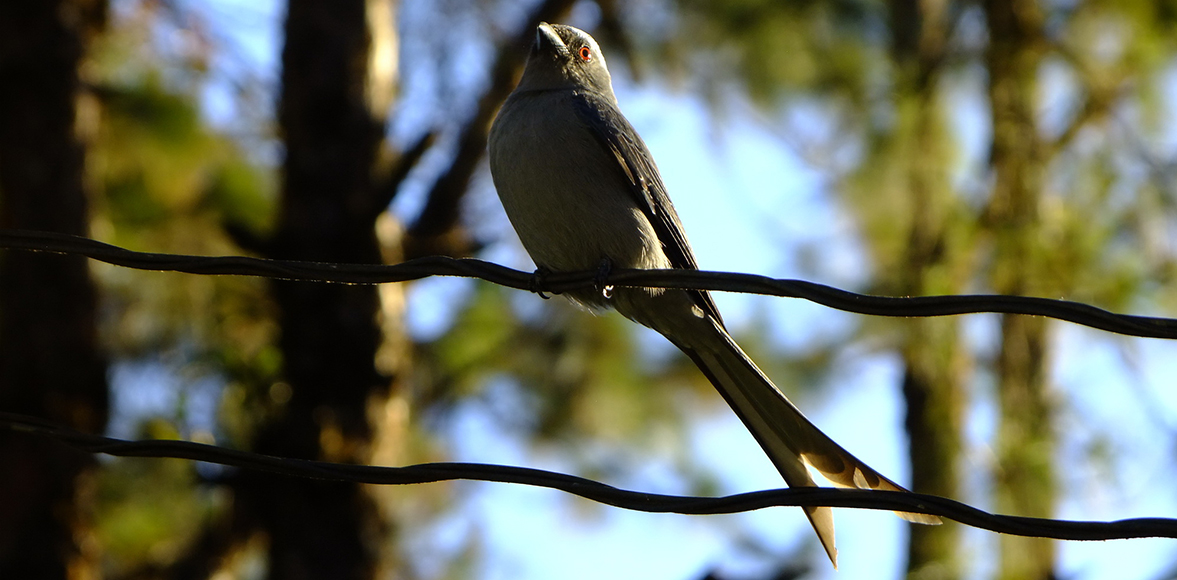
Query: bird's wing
{"points": [[635, 163]]}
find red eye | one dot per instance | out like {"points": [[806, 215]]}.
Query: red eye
{"points": [[585, 54]]}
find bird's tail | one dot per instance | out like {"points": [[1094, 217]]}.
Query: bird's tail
{"points": [[789, 439]]}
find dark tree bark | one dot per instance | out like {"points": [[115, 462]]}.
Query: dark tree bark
{"points": [[1025, 482], [337, 84], [343, 346], [50, 364]]}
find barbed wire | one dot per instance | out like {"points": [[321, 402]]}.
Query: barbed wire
{"points": [[597, 491], [915, 306]]}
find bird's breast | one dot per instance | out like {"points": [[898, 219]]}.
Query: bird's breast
{"points": [[564, 192]]}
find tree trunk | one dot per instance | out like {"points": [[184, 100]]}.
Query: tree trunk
{"points": [[935, 364], [50, 364], [338, 81], [1025, 484]]}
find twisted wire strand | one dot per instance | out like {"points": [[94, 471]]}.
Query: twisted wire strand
{"points": [[914, 306], [597, 491]]}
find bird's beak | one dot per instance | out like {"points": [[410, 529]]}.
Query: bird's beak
{"points": [[546, 37]]}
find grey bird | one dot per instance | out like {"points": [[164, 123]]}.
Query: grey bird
{"points": [[582, 191]]}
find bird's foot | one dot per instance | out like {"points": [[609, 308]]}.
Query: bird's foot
{"points": [[602, 276], [538, 282]]}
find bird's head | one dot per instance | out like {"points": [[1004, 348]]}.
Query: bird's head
{"points": [[563, 57]]}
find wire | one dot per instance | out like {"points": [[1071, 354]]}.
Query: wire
{"points": [[1075, 312], [597, 491], [918, 306]]}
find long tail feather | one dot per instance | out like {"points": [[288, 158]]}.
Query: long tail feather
{"points": [[791, 441], [794, 444]]}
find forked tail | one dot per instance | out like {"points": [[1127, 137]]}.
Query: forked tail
{"points": [[789, 439]]}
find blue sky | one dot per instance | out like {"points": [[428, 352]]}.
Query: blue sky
{"points": [[747, 203]]}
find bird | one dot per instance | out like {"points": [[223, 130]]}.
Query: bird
{"points": [[582, 192]]}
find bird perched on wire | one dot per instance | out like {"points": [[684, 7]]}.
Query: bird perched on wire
{"points": [[582, 191]]}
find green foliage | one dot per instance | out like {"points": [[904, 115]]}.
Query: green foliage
{"points": [[576, 369], [889, 78], [165, 181], [777, 49], [168, 182], [148, 511]]}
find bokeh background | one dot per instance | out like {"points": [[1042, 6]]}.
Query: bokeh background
{"points": [[897, 147]]}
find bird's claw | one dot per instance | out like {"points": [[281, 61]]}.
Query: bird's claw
{"points": [[537, 282], [602, 276]]}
